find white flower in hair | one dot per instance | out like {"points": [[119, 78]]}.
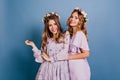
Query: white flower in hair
{"points": [[57, 14], [52, 12], [87, 19], [84, 14], [47, 14]]}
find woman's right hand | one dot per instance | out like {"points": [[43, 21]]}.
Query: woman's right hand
{"points": [[46, 57], [30, 43]]}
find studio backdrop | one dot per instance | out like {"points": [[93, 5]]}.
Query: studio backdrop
{"points": [[22, 19]]}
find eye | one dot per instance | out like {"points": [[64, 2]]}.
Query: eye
{"points": [[55, 24], [76, 17], [50, 25], [71, 16]]}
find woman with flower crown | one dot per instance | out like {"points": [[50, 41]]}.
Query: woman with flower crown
{"points": [[54, 42], [78, 46], [79, 49]]}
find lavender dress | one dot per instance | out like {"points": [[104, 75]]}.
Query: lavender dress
{"points": [[55, 70], [79, 68]]}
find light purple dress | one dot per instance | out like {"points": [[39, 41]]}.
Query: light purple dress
{"points": [[79, 68], [55, 70]]}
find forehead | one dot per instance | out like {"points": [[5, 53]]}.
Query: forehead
{"points": [[75, 14], [51, 21]]}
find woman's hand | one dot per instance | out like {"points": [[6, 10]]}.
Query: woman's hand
{"points": [[46, 57], [30, 43]]}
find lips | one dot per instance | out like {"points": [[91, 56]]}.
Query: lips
{"points": [[53, 30], [72, 21]]}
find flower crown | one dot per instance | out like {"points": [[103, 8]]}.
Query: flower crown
{"points": [[50, 14], [82, 12]]}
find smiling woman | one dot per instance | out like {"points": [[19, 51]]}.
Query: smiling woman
{"points": [[54, 42], [78, 47], [53, 27], [21, 20]]}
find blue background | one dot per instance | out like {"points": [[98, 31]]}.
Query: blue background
{"points": [[21, 20]]}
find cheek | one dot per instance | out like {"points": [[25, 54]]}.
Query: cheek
{"points": [[78, 20], [50, 28], [56, 27], [70, 20]]}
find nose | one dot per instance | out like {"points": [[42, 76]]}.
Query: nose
{"points": [[72, 18], [53, 26]]}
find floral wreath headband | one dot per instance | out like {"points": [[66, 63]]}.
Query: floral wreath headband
{"points": [[82, 12], [50, 14]]}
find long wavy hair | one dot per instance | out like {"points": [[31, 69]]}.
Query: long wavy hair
{"points": [[81, 25], [47, 34]]}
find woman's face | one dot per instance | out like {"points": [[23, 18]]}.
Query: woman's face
{"points": [[74, 19], [52, 26]]}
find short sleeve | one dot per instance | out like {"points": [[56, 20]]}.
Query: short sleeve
{"points": [[83, 41]]}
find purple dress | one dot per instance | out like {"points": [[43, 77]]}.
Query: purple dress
{"points": [[79, 68], [55, 70]]}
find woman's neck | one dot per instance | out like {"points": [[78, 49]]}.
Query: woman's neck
{"points": [[54, 36], [74, 30]]}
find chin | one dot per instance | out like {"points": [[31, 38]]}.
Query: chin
{"points": [[54, 32], [73, 24]]}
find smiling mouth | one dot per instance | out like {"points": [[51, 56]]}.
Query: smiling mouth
{"points": [[72, 21], [53, 30]]}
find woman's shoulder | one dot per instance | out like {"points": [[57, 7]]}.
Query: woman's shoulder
{"points": [[66, 33], [80, 33]]}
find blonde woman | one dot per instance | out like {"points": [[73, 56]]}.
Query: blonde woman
{"points": [[79, 50]]}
